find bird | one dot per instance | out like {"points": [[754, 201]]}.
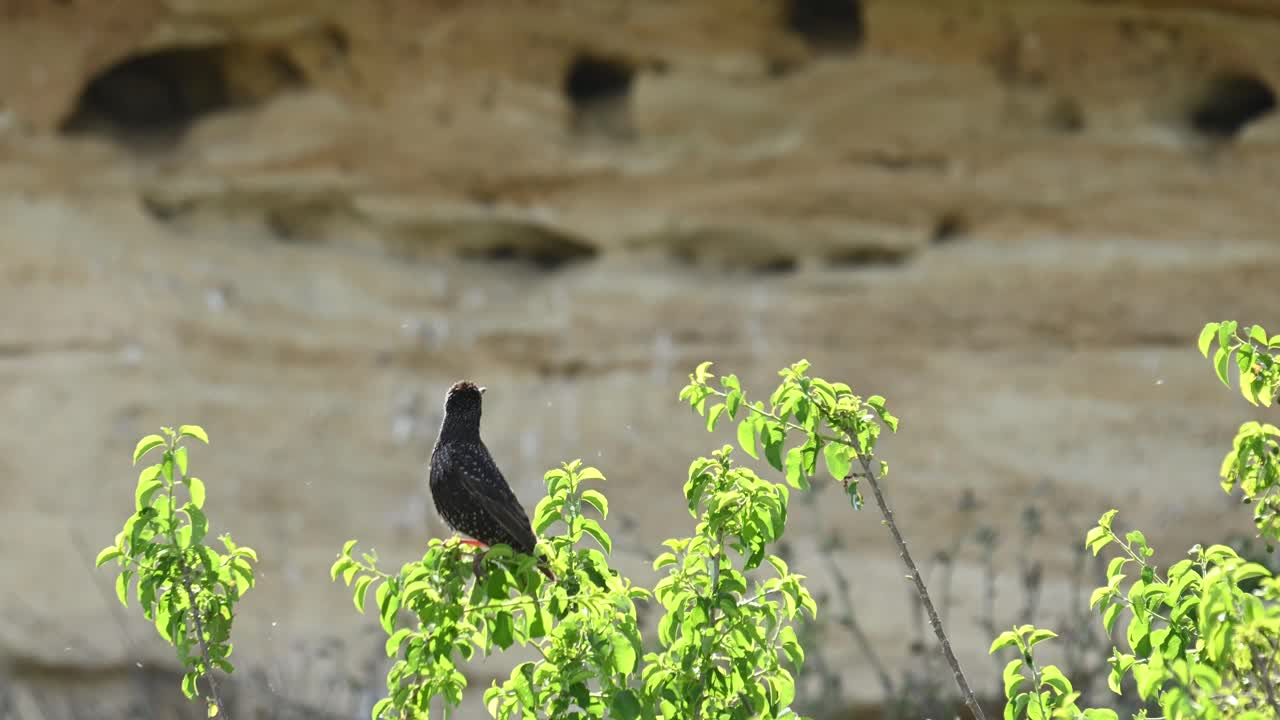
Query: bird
{"points": [[468, 489]]}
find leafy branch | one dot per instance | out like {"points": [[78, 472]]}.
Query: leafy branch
{"points": [[186, 589], [840, 425]]}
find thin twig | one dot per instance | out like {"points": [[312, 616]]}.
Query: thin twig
{"points": [[1265, 678], [191, 597], [711, 618], [864, 459], [965, 691]]}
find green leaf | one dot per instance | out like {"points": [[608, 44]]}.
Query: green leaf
{"points": [[596, 499], [838, 457], [1008, 638], [1110, 616], [791, 646], [338, 566], [1107, 518], [1096, 539], [795, 469], [1054, 678], [1221, 361], [773, 452], [747, 436], [1100, 714], [146, 445], [664, 560], [362, 587], [147, 488], [855, 496], [503, 629], [388, 605], [108, 554], [785, 686], [180, 457], [732, 402], [1207, 335], [122, 586], [702, 372], [624, 654], [590, 473], [592, 528], [625, 706], [714, 415], [1012, 677], [1226, 331], [1040, 636], [194, 431], [547, 513], [196, 486], [199, 523]]}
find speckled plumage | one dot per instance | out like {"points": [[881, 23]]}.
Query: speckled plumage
{"points": [[467, 487]]}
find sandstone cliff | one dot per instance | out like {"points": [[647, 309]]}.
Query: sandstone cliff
{"points": [[296, 222]]}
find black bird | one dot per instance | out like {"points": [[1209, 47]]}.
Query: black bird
{"points": [[466, 485]]}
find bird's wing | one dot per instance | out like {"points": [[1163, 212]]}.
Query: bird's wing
{"points": [[495, 498]]}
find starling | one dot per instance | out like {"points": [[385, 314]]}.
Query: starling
{"points": [[466, 485]]}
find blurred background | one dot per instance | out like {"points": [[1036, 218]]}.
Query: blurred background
{"points": [[296, 223]]}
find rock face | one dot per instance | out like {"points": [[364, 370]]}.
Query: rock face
{"points": [[297, 222]]}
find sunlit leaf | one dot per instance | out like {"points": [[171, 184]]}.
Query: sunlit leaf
{"points": [[196, 487], [361, 589], [108, 554], [194, 431], [596, 499], [747, 436], [1207, 336], [146, 445]]}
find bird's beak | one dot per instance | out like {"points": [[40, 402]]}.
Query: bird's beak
{"points": [[482, 389]]}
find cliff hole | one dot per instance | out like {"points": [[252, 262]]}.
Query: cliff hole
{"points": [[949, 227], [534, 246], [158, 95], [1228, 103], [853, 258], [827, 24], [599, 93]]}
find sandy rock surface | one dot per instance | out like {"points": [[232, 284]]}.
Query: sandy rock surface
{"points": [[297, 222]]}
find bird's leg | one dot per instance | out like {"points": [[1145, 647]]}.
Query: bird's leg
{"points": [[479, 558]]}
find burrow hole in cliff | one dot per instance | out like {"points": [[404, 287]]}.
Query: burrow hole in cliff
{"points": [[949, 227], [1228, 103], [598, 89], [154, 97], [533, 246], [827, 24], [867, 256]]}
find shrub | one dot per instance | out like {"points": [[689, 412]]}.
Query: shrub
{"points": [[1202, 638], [186, 589]]}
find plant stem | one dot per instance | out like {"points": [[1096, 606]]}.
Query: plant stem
{"points": [[191, 593], [707, 649], [864, 459], [204, 647], [1264, 677], [965, 691]]}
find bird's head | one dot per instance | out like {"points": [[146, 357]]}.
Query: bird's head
{"points": [[463, 398]]}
